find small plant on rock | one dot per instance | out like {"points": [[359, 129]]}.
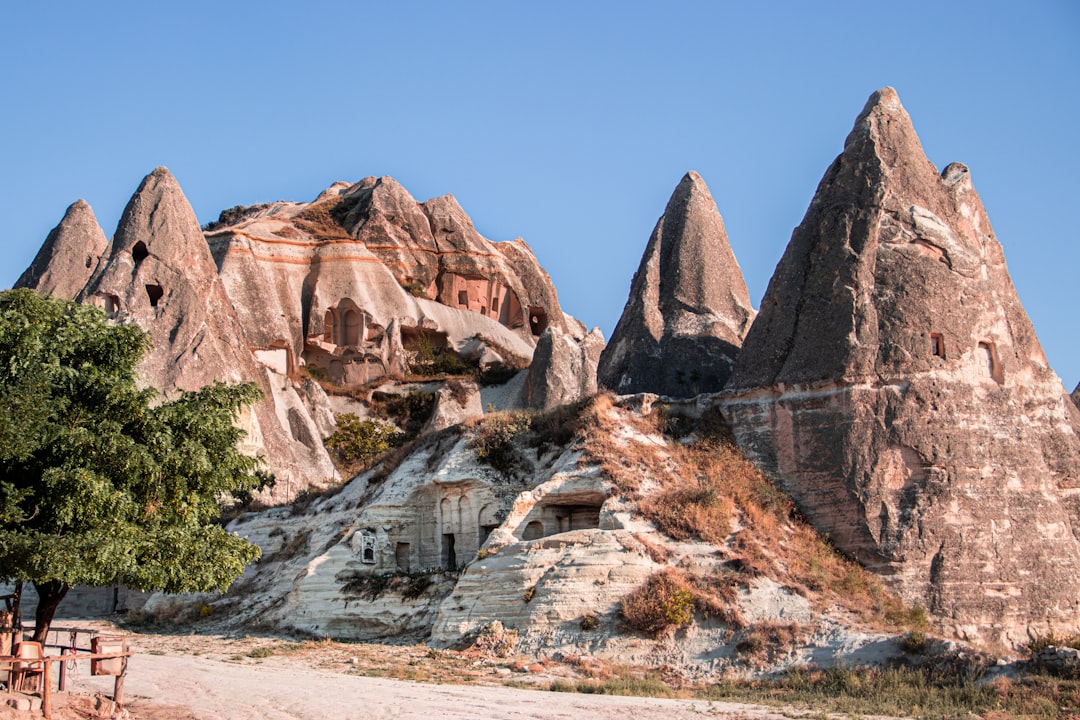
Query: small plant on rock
{"points": [[662, 605], [493, 440]]}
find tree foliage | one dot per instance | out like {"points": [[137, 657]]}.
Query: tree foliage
{"points": [[98, 484]]}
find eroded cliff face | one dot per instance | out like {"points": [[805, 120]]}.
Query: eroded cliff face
{"points": [[894, 385], [354, 281], [353, 285], [688, 308]]}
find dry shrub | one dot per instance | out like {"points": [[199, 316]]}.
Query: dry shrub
{"points": [[661, 605], [495, 441], [495, 639], [766, 642], [290, 548], [717, 597], [318, 220]]}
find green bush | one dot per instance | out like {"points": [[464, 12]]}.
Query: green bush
{"points": [[358, 442], [493, 440]]}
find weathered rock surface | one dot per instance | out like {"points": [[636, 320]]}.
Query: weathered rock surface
{"points": [[443, 549], [160, 275], [69, 255], [688, 308], [1076, 396], [563, 370], [356, 285], [894, 385], [364, 276]]}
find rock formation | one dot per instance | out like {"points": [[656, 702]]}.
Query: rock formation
{"points": [[894, 385], [1076, 395], [69, 255], [688, 308], [356, 285], [160, 275], [563, 370], [363, 275]]}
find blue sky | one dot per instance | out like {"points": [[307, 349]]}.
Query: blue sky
{"points": [[565, 123]]}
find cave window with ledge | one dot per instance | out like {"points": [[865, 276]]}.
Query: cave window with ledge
{"points": [[533, 531], [367, 547], [112, 304], [937, 345]]}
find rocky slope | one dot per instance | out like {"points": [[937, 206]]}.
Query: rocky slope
{"points": [[894, 385], [541, 554], [688, 308]]}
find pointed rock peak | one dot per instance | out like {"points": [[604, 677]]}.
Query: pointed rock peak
{"points": [[688, 308], [68, 256], [884, 131], [158, 220]]}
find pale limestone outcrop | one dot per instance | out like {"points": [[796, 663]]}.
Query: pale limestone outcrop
{"points": [[159, 274], [688, 308], [563, 369], [894, 385], [69, 255]]}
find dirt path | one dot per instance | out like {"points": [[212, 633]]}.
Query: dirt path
{"points": [[178, 677], [216, 690]]}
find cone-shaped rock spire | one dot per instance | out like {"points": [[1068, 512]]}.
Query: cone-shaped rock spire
{"points": [[895, 386], [688, 308], [161, 275], [69, 255]]}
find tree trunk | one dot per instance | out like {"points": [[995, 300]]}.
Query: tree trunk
{"points": [[16, 606], [50, 594]]}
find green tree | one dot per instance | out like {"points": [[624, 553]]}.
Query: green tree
{"points": [[98, 484]]}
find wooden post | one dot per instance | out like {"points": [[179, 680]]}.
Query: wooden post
{"points": [[46, 690], [62, 686], [118, 691]]}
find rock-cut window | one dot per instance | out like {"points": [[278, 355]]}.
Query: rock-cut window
{"points": [[937, 344]]}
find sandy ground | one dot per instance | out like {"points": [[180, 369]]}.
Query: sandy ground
{"points": [[214, 690], [189, 677]]}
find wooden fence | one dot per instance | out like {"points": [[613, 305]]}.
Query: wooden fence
{"points": [[67, 653]]}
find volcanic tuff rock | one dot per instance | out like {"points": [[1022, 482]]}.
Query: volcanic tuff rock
{"points": [[894, 385], [363, 275], [688, 308], [356, 285], [160, 275], [443, 546], [69, 255], [563, 369]]}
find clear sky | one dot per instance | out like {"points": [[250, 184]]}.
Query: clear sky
{"points": [[565, 123]]}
